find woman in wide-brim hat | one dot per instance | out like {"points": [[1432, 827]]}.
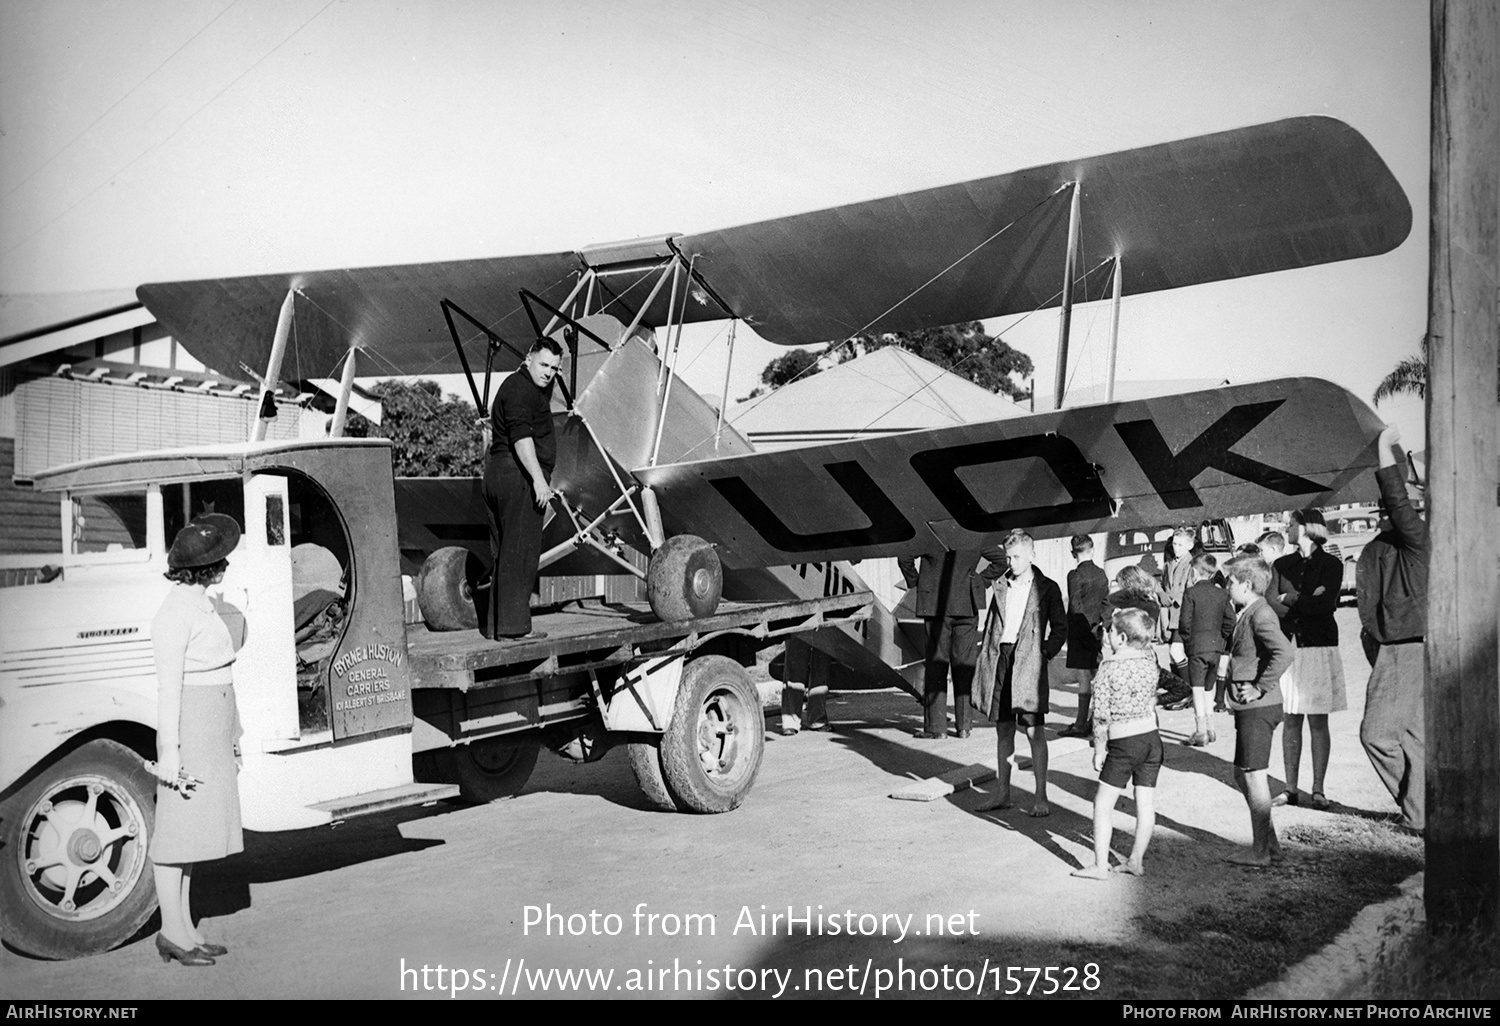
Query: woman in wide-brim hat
{"points": [[198, 724]]}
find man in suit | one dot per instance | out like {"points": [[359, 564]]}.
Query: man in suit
{"points": [[950, 592], [1025, 626]]}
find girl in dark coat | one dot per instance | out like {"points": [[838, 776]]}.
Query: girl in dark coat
{"points": [[1315, 686]]}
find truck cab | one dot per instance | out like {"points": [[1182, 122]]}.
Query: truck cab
{"points": [[313, 596], [346, 706]]}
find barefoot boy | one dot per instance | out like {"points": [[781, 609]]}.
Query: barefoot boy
{"points": [[1127, 745], [1258, 655]]}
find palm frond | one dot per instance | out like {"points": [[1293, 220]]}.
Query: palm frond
{"points": [[1408, 378]]}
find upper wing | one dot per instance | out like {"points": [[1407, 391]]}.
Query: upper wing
{"points": [[1270, 197], [1237, 449]]}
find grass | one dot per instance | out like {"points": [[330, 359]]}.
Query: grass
{"points": [[1459, 966], [1210, 932], [1260, 923]]}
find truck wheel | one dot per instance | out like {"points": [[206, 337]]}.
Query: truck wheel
{"points": [[491, 769], [445, 589], [712, 747], [684, 579], [74, 877], [645, 762]]}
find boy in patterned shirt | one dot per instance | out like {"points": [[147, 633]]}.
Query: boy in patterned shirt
{"points": [[1127, 745]]}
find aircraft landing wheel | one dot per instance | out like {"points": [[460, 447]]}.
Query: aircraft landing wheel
{"points": [[684, 579], [712, 748], [445, 589]]}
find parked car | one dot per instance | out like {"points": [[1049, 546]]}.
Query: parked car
{"points": [[1123, 548], [1349, 530]]}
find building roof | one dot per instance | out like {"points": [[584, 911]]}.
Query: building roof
{"points": [[1128, 390], [881, 393], [39, 323]]}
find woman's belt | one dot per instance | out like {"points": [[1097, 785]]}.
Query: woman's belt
{"points": [[217, 676]]}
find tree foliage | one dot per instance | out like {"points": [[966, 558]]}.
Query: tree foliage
{"points": [[1409, 377], [964, 349], [789, 366], [432, 436]]}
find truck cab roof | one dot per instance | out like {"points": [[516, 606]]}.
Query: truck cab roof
{"points": [[159, 466]]}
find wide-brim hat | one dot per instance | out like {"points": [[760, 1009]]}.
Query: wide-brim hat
{"points": [[208, 539]]}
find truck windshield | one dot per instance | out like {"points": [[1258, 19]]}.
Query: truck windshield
{"points": [[182, 502]]}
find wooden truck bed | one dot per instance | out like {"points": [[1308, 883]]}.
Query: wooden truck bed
{"points": [[589, 634]]}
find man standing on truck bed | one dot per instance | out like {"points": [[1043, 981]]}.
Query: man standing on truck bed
{"points": [[521, 455]]}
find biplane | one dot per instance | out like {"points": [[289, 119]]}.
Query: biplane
{"points": [[645, 462]]}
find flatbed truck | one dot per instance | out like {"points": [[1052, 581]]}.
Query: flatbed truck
{"points": [[346, 707]]}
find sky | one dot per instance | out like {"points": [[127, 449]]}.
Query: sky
{"points": [[197, 138]]}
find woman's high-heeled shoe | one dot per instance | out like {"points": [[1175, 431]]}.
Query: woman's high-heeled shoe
{"points": [[212, 950], [187, 956]]}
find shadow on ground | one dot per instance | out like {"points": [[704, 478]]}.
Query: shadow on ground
{"points": [[1216, 941]]}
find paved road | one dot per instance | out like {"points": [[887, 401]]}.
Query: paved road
{"points": [[338, 912]]}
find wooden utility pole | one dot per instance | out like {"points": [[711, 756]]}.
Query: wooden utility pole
{"points": [[1463, 486]]}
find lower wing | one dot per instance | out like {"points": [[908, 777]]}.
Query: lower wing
{"points": [[1274, 445]]}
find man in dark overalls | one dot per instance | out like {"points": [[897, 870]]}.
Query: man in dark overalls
{"points": [[521, 455]]}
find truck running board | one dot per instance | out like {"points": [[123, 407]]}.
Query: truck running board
{"points": [[390, 798]]}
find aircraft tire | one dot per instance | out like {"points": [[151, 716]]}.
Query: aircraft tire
{"points": [[684, 579], [445, 589], [490, 769], [712, 748], [94, 807], [645, 763]]}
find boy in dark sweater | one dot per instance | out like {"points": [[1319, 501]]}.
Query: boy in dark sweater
{"points": [[1205, 625], [1258, 655]]}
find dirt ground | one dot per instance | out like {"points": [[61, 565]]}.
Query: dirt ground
{"points": [[361, 910]]}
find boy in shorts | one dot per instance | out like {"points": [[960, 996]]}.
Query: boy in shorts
{"points": [[1127, 745], [1258, 655], [1207, 621]]}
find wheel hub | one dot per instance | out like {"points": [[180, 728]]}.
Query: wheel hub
{"points": [[84, 847], [703, 581], [718, 743]]}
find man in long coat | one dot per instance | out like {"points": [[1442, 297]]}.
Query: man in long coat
{"points": [[1025, 626]]}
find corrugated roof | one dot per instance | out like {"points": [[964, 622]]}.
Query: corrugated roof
{"points": [[885, 391]]}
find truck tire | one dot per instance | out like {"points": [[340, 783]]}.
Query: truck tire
{"points": [[490, 769], [74, 876], [684, 579], [645, 763], [711, 750], [445, 589]]}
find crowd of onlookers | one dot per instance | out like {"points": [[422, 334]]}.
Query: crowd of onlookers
{"points": [[1254, 637]]}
